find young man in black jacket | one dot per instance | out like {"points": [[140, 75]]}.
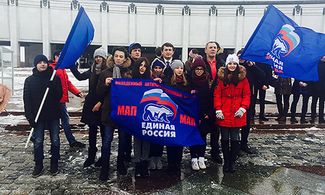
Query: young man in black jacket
{"points": [[34, 89]]}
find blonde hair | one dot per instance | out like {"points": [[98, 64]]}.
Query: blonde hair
{"points": [[173, 79]]}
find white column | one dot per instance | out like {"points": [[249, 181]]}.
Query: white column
{"points": [[104, 28], [13, 27], [132, 23], [297, 14], [323, 21], [45, 30], [159, 25], [239, 28], [185, 41], [213, 24], [185, 32]]}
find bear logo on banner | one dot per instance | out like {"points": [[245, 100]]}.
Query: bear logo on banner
{"points": [[160, 106], [286, 41], [157, 113]]}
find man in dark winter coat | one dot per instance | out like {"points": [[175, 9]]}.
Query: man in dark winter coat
{"points": [[213, 63], [34, 89]]}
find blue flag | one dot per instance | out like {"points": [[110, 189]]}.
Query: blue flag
{"points": [[80, 36], [155, 113], [291, 50]]}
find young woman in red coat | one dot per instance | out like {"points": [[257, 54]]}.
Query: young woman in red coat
{"points": [[231, 100]]}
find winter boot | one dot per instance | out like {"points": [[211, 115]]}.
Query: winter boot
{"points": [[144, 168], [54, 167], [38, 169], [226, 155], [235, 147], [104, 171], [137, 169], [91, 157], [121, 167]]}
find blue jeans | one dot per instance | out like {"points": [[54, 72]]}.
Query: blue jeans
{"points": [[38, 135], [66, 124], [107, 138]]}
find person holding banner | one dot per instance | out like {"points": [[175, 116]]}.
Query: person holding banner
{"points": [[200, 79], [141, 70], [66, 87], [156, 150], [34, 89], [177, 81], [119, 66], [231, 101]]}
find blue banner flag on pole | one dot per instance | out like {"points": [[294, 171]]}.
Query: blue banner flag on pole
{"points": [[80, 36], [155, 113], [291, 50]]}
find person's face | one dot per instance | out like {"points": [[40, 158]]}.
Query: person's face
{"points": [[179, 71], [98, 60], [167, 52], [211, 50], [142, 68], [199, 71], [119, 57], [157, 69], [41, 66], [232, 66], [136, 53]]}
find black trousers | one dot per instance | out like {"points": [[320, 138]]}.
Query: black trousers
{"points": [[261, 94], [282, 107], [321, 106]]}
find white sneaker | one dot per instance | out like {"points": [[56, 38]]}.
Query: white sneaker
{"points": [[195, 165], [201, 163], [152, 165], [159, 164]]}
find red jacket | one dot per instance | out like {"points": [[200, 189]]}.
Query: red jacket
{"points": [[230, 98], [66, 84]]}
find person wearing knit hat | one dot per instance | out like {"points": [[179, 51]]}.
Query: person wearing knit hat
{"points": [[135, 51], [100, 52], [232, 58], [177, 81], [34, 89], [157, 68], [157, 62], [200, 83], [40, 58], [176, 64]]}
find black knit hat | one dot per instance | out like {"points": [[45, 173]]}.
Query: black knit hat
{"points": [[40, 58]]}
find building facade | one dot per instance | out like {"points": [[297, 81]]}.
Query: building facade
{"points": [[30, 27]]}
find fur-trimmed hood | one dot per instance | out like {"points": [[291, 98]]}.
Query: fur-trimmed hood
{"points": [[110, 62], [241, 75]]}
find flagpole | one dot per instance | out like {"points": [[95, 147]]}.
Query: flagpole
{"points": [[40, 109]]}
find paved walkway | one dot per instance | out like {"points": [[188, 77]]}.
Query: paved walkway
{"points": [[285, 164]]}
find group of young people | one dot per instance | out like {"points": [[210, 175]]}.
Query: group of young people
{"points": [[225, 88]]}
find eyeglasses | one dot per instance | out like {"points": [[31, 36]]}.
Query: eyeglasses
{"points": [[199, 69]]}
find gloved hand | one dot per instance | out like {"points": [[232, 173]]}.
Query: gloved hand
{"points": [[240, 112], [32, 123], [219, 114]]}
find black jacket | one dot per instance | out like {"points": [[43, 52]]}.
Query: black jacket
{"points": [[34, 90], [255, 75]]}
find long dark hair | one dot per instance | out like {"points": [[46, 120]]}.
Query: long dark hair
{"points": [[231, 77], [135, 71]]}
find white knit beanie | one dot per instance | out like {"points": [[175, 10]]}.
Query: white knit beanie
{"points": [[176, 63], [232, 58]]}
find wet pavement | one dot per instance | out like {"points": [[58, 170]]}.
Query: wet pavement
{"points": [[285, 164]]}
